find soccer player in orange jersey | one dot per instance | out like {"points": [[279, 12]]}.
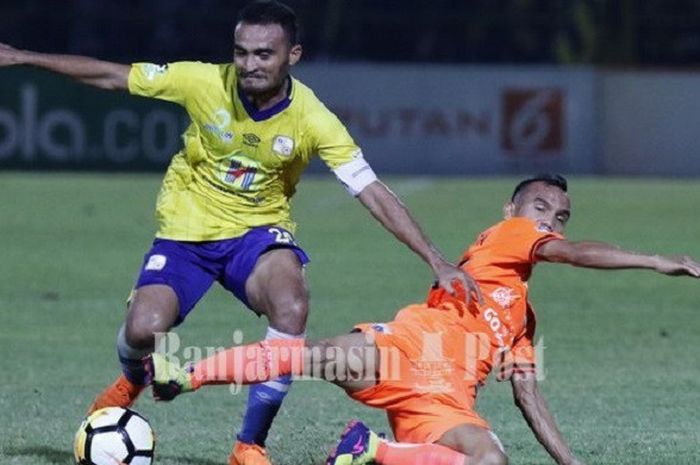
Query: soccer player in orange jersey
{"points": [[424, 368]]}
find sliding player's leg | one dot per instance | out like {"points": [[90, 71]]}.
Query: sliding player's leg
{"points": [[350, 361], [428, 395], [464, 444], [480, 445]]}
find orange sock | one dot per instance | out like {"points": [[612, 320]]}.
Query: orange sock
{"points": [[252, 363], [396, 453]]}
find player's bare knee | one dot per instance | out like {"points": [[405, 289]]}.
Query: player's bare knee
{"points": [[142, 327], [362, 357], [340, 360], [357, 367], [153, 309], [289, 315], [492, 456], [140, 337], [318, 352], [321, 359]]}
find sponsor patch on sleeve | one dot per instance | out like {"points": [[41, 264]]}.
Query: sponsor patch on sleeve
{"points": [[151, 70]]}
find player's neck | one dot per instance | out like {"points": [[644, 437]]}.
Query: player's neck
{"points": [[267, 100]]}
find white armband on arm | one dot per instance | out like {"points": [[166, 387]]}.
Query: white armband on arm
{"points": [[355, 175]]}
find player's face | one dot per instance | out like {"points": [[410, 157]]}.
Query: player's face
{"points": [[548, 205], [262, 55]]}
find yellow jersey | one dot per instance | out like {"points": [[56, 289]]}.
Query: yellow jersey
{"points": [[239, 166]]}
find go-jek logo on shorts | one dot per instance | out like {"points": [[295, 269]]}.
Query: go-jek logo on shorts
{"points": [[533, 120]]}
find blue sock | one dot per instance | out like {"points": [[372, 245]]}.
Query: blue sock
{"points": [[133, 370], [130, 359], [264, 401]]}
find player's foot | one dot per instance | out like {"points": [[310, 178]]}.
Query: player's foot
{"points": [[248, 454], [121, 393], [168, 379], [357, 446]]}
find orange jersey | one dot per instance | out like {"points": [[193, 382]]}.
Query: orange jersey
{"points": [[434, 356], [501, 261]]}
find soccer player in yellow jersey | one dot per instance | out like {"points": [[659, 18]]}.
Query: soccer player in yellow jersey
{"points": [[223, 209]]}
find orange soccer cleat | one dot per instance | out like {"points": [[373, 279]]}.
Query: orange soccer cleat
{"points": [[121, 393], [248, 454]]}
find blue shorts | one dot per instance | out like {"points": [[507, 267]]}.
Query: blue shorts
{"points": [[190, 268]]}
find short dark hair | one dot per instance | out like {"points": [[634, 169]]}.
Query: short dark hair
{"points": [[271, 12], [551, 179]]}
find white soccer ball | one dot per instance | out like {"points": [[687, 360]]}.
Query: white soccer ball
{"points": [[113, 436]]}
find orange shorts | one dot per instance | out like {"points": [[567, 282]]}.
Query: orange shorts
{"points": [[427, 386]]}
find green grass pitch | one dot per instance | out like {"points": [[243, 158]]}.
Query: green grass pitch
{"points": [[623, 377]]}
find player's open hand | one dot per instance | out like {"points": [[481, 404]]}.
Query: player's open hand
{"points": [[678, 266], [9, 55], [447, 274]]}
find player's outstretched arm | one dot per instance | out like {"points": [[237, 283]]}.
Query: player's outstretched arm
{"points": [[394, 216], [606, 256], [533, 407], [98, 73]]}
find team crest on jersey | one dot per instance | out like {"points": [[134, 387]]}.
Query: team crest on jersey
{"points": [[504, 296], [283, 145], [240, 171]]}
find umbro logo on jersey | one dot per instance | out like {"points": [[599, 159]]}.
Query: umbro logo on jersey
{"points": [[251, 139]]}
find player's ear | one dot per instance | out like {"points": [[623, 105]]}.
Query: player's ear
{"points": [[295, 54], [508, 210]]}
